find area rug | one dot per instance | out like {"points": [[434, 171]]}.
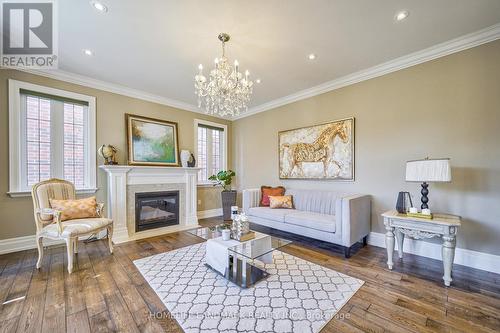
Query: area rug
{"points": [[298, 296]]}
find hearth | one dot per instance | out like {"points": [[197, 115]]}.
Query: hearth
{"points": [[156, 210]]}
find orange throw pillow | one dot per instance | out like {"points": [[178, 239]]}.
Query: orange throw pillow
{"points": [[75, 209], [284, 201], [266, 191]]}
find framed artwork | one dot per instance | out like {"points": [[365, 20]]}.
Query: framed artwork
{"points": [[324, 151], [152, 141]]}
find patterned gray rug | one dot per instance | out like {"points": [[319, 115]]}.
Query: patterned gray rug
{"points": [[298, 296]]}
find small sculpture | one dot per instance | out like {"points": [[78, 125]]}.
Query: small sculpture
{"points": [[108, 153], [192, 161]]}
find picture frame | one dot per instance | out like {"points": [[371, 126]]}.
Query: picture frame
{"points": [[318, 152], [152, 142]]}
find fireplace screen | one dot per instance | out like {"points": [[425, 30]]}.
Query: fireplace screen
{"points": [[156, 209]]}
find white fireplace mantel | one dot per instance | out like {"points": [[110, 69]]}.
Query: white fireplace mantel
{"points": [[121, 176]]}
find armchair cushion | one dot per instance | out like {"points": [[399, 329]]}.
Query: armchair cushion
{"points": [[73, 228], [75, 209]]}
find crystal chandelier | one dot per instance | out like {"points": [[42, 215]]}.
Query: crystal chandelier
{"points": [[227, 91]]}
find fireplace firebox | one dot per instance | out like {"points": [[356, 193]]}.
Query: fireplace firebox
{"points": [[156, 210]]}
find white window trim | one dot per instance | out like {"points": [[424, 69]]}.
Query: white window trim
{"points": [[224, 147], [15, 130]]}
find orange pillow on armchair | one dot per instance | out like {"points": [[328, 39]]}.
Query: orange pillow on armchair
{"points": [[266, 191], [75, 209]]}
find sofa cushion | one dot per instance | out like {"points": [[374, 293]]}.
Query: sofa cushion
{"points": [[284, 201], [323, 202], [317, 221], [277, 214], [266, 191]]}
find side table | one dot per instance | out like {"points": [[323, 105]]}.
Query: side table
{"points": [[442, 225]]}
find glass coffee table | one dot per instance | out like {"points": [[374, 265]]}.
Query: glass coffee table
{"points": [[241, 265]]}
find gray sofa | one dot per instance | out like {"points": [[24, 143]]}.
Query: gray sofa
{"points": [[338, 218]]}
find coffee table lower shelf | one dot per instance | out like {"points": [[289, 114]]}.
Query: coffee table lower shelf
{"points": [[243, 274]]}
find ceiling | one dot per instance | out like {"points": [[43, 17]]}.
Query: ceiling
{"points": [[155, 46]]}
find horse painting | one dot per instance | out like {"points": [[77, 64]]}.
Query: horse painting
{"points": [[303, 150]]}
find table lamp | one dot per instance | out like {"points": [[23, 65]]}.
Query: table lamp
{"points": [[428, 170]]}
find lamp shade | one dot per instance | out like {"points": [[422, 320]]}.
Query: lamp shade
{"points": [[428, 170]]}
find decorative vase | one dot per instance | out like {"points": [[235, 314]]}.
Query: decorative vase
{"points": [[226, 234], [185, 156], [228, 200], [240, 227]]}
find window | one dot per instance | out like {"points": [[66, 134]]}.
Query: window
{"points": [[52, 135], [211, 149]]}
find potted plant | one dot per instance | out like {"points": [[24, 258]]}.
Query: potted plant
{"points": [[224, 179]]}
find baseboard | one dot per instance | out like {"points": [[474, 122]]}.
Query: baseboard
{"points": [[474, 259], [29, 242], [204, 214]]}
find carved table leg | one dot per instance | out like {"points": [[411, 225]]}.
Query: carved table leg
{"points": [[400, 237], [448, 252], [389, 244]]}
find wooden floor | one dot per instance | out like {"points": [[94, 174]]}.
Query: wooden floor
{"points": [[107, 293]]}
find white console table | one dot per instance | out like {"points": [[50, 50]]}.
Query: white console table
{"points": [[442, 225]]}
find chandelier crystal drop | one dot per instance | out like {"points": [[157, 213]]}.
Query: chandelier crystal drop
{"points": [[227, 91]]}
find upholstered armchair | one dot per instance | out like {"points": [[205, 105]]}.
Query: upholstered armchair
{"points": [[49, 224]]}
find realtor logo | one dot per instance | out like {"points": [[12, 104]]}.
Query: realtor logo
{"points": [[29, 37]]}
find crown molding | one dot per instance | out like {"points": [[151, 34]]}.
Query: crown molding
{"points": [[465, 42], [112, 87]]}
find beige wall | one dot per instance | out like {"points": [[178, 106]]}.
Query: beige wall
{"points": [[449, 107], [17, 213]]}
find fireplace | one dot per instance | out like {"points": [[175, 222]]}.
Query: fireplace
{"points": [[156, 210]]}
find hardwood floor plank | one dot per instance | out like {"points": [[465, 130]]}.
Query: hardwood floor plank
{"points": [[32, 314], [133, 299], [13, 262], [102, 322], [75, 301], [18, 290], [54, 314], [378, 320], [364, 324], [119, 313], [9, 325], [94, 300], [78, 322]]}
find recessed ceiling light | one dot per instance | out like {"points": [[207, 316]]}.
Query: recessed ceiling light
{"points": [[312, 56], [401, 15], [99, 6], [258, 81], [88, 52]]}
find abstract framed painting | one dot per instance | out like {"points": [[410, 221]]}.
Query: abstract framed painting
{"points": [[152, 142], [324, 151]]}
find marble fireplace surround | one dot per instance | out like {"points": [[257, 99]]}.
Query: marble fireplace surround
{"points": [[124, 181]]}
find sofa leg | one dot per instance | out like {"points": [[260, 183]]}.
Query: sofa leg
{"points": [[347, 252], [365, 240]]}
